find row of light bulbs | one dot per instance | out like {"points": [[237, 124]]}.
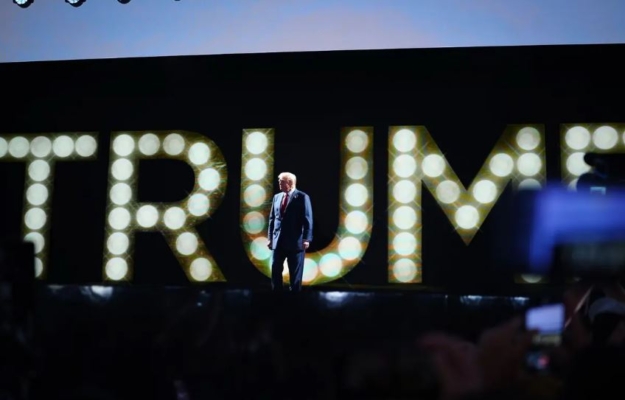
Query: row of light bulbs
{"points": [[73, 3]]}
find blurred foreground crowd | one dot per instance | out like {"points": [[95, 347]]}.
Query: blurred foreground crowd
{"points": [[589, 363], [278, 360]]}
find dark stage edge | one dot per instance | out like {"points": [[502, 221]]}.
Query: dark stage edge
{"points": [[135, 315], [125, 333], [152, 308]]}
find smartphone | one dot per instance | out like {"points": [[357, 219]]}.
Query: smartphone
{"points": [[548, 322], [598, 190]]}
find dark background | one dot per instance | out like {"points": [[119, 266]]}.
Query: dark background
{"points": [[465, 97]]}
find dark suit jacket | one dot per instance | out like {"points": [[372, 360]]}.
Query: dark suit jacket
{"points": [[288, 231]]}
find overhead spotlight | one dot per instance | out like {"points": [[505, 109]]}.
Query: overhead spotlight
{"points": [[124, 1], [23, 3], [75, 3]]}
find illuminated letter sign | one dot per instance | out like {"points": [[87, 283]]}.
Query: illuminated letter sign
{"points": [[414, 157], [175, 220], [355, 204], [577, 140], [40, 152]]}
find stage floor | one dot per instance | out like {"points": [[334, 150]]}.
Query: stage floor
{"points": [[195, 331]]}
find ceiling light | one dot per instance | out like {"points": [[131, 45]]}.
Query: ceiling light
{"points": [[75, 3], [23, 3]]}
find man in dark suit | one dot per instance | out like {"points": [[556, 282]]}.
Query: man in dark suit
{"points": [[290, 232]]}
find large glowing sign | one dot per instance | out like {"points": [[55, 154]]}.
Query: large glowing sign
{"points": [[579, 139], [415, 162], [176, 221], [355, 204], [40, 152], [414, 157]]}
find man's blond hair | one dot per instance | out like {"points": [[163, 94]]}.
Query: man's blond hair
{"points": [[288, 176]]}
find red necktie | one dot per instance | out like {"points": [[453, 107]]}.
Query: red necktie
{"points": [[285, 199]]}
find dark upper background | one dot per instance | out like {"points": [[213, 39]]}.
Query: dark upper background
{"points": [[465, 97]]}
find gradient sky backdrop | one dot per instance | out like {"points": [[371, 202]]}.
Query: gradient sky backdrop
{"points": [[53, 30]]}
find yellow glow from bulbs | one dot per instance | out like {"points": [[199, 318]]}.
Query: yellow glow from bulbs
{"points": [[40, 152], [579, 139], [176, 221], [415, 158], [355, 204]]}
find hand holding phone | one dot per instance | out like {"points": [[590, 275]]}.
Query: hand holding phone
{"points": [[548, 323]]}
